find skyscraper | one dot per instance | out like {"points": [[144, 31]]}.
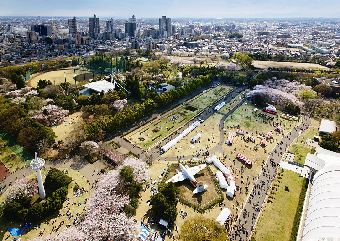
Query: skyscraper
{"points": [[94, 29], [72, 26], [165, 26], [42, 30], [131, 26]]}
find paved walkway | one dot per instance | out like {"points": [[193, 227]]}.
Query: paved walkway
{"points": [[256, 199]]}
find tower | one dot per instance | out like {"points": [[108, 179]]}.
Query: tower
{"points": [[72, 26], [94, 29], [37, 164]]}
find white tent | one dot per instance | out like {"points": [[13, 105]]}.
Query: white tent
{"points": [[100, 86], [224, 215], [163, 222], [195, 138], [327, 126], [271, 108], [219, 106], [180, 137], [221, 180]]}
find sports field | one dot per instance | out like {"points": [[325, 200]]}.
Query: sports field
{"points": [[58, 76], [273, 64]]}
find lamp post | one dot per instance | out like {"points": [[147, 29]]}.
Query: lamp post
{"points": [[37, 164]]}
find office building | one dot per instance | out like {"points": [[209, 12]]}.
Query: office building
{"points": [[72, 26], [165, 26], [131, 26], [42, 30], [94, 28]]}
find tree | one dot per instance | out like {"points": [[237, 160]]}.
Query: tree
{"points": [[243, 59], [56, 179], [43, 83], [307, 94], [127, 174], [165, 202], [323, 89], [202, 229]]}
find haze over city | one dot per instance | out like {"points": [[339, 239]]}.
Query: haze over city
{"points": [[175, 9]]}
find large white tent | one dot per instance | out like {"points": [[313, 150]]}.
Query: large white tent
{"points": [[180, 137], [224, 215], [323, 214], [100, 86]]}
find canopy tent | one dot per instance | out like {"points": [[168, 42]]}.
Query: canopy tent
{"points": [[269, 135], [15, 231], [279, 128], [113, 157], [219, 106], [263, 142], [144, 233], [239, 131], [195, 138], [230, 139], [243, 158], [271, 108], [163, 222], [224, 216]]}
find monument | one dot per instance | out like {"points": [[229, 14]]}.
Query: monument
{"points": [[37, 164]]}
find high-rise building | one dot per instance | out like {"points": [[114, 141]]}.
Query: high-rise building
{"points": [[165, 26], [131, 27], [110, 26], [72, 26], [42, 30], [94, 28]]}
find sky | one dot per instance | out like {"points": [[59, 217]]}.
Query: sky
{"points": [[174, 8]]}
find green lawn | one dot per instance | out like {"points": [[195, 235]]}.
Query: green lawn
{"points": [[18, 150], [300, 152], [276, 221], [11, 161]]}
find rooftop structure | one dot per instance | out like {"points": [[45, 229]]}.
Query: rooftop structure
{"points": [[327, 126]]}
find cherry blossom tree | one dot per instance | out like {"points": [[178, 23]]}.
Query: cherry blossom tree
{"points": [[119, 104], [22, 186], [51, 115]]}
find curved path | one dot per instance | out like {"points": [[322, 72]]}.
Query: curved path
{"points": [[256, 199]]}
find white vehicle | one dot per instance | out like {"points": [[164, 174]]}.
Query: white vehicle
{"points": [[189, 173]]}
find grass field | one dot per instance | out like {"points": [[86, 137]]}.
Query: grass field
{"points": [[58, 76], [252, 124], [22, 156], [151, 133], [300, 148], [273, 64], [276, 221], [205, 99], [47, 228], [71, 123]]}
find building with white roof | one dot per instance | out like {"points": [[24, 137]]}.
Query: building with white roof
{"points": [[327, 126]]}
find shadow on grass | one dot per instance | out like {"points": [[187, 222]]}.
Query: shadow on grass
{"points": [[19, 150]]}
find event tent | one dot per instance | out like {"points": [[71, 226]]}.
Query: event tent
{"points": [[269, 135], [219, 106], [221, 180], [180, 137], [100, 86], [230, 139], [224, 215], [279, 128], [144, 233], [327, 126], [263, 142], [243, 158], [241, 132]]}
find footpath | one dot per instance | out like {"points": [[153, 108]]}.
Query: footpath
{"points": [[256, 200]]}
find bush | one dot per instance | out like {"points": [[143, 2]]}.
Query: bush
{"points": [[55, 179], [76, 187], [129, 210]]}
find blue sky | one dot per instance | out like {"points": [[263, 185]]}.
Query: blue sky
{"points": [[174, 8]]}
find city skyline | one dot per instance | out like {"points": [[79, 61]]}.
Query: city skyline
{"points": [[175, 9]]}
